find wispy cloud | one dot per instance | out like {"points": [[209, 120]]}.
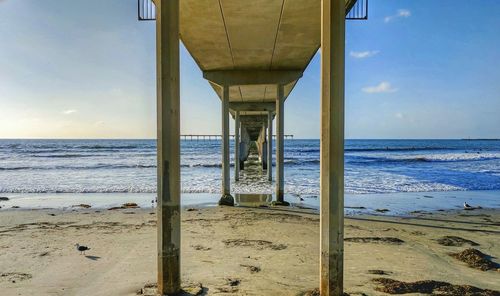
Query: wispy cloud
{"points": [[399, 115], [69, 111], [363, 54], [383, 87], [402, 13]]}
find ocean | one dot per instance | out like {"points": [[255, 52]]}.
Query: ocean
{"points": [[129, 166]]}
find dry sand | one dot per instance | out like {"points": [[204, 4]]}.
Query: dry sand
{"points": [[241, 251]]}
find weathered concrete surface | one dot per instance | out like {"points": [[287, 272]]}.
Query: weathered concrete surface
{"points": [[332, 148], [168, 148]]}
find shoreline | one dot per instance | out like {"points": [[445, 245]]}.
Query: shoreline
{"points": [[396, 204]]}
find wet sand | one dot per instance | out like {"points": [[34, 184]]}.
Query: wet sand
{"points": [[240, 251]]}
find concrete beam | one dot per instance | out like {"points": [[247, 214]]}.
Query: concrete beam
{"points": [[168, 147], [252, 77], [252, 106], [226, 198], [332, 147]]}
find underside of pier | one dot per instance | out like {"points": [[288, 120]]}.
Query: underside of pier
{"points": [[252, 53]]}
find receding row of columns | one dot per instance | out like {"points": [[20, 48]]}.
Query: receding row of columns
{"points": [[226, 198], [331, 157]]}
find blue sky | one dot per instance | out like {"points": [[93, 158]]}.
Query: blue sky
{"points": [[86, 69]]}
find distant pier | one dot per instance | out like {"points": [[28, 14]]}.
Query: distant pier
{"points": [[217, 137]]}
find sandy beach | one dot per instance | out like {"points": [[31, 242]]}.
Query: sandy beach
{"points": [[242, 251]]}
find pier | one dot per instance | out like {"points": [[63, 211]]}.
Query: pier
{"points": [[218, 137], [252, 56]]}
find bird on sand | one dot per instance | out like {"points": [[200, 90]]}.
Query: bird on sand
{"points": [[81, 249], [466, 205]]}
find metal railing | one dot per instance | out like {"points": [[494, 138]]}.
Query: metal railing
{"points": [[218, 137], [356, 10], [146, 10]]}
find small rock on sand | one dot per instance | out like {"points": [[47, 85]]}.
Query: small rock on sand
{"points": [[382, 210], [3, 198], [251, 268]]}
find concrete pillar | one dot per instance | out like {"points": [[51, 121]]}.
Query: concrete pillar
{"points": [[332, 147], [168, 146], [270, 145], [237, 146], [226, 198], [280, 141]]}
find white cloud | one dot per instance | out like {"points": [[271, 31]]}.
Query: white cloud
{"points": [[402, 13], [363, 54], [383, 87], [399, 115], [69, 111]]}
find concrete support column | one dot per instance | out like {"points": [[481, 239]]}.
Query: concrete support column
{"points": [[168, 146], [226, 198], [237, 146], [280, 141], [270, 146], [332, 147], [264, 147]]}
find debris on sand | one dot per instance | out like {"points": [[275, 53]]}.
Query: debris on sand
{"points": [[429, 287], [455, 241], [3, 198], [85, 206], [128, 205], [381, 240], [379, 272], [476, 259], [192, 210], [382, 210], [187, 290], [201, 248], [251, 268], [233, 282], [258, 244], [14, 277], [315, 292]]}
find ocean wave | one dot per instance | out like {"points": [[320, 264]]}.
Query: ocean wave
{"points": [[90, 167], [450, 157], [68, 155], [397, 149]]}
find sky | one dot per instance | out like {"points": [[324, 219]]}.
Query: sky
{"points": [[86, 69]]}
